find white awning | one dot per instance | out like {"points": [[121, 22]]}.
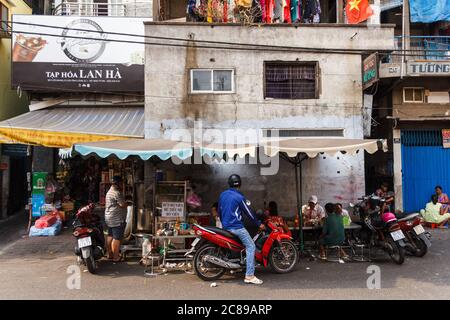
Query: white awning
{"points": [[313, 146], [165, 149]]}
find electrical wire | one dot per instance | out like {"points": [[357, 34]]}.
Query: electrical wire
{"points": [[242, 46]]}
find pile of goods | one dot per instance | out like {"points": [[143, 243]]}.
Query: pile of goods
{"points": [[47, 225]]}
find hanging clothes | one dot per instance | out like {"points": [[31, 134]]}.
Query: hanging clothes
{"points": [[278, 11], [257, 11], [294, 11], [230, 10], [268, 10], [318, 12], [287, 12], [262, 4]]}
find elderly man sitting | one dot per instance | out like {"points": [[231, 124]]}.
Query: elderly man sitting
{"points": [[312, 212], [433, 212]]}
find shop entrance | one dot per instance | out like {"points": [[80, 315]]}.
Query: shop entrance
{"points": [[18, 193], [425, 164]]}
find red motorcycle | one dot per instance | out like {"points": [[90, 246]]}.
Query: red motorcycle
{"points": [[418, 239], [219, 251]]}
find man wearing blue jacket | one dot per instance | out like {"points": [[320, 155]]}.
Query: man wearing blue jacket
{"points": [[232, 205]]}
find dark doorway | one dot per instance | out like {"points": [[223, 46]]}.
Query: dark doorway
{"points": [[18, 189]]}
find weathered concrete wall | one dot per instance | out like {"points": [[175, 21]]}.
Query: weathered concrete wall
{"points": [[170, 106], [420, 110], [324, 176]]}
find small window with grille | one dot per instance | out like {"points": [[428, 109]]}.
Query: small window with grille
{"points": [[291, 80]]}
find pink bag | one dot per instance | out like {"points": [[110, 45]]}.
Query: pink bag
{"points": [[193, 200], [46, 221]]}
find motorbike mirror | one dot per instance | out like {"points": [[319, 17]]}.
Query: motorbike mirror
{"points": [[247, 202], [351, 204]]}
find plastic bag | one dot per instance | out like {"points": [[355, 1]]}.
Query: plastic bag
{"points": [[193, 200]]}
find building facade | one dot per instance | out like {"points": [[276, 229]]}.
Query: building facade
{"points": [[411, 108], [12, 103], [293, 93]]}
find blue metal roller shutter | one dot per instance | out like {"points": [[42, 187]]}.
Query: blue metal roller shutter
{"points": [[425, 164]]}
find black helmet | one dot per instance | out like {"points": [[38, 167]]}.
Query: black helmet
{"points": [[117, 180], [234, 181]]}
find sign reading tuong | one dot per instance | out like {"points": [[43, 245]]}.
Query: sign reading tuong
{"points": [[370, 71], [424, 68], [80, 54]]}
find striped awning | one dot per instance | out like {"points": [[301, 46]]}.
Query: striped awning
{"points": [[62, 127]]}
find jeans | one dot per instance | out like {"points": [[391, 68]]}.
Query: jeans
{"points": [[247, 241]]}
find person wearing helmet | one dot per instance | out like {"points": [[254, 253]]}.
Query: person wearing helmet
{"points": [[232, 207]]}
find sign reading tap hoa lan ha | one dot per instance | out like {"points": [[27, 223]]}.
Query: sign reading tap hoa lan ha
{"points": [[77, 53]]}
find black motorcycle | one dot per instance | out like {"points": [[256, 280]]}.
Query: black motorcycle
{"points": [[379, 229], [87, 229]]}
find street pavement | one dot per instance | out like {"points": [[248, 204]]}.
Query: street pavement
{"points": [[36, 268]]}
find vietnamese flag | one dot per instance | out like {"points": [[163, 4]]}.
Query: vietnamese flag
{"points": [[358, 11]]}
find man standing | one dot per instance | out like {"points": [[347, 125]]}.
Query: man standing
{"points": [[115, 215], [232, 205]]}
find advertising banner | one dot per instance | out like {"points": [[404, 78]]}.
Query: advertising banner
{"points": [[71, 53], [446, 138]]}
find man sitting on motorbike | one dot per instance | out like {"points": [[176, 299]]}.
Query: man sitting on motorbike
{"points": [[232, 206]]}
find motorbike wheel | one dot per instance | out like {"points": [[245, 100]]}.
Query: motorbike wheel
{"points": [[421, 247], [395, 251], [282, 258], [203, 270], [90, 264]]}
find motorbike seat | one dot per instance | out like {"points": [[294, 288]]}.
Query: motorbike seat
{"points": [[409, 217], [223, 232]]}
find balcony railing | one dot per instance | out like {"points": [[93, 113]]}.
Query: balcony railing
{"points": [[129, 9], [433, 48]]}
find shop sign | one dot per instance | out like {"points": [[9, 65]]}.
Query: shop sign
{"points": [[77, 53], [390, 70], [39, 182], [15, 150], [172, 209], [424, 68], [446, 138], [370, 70]]}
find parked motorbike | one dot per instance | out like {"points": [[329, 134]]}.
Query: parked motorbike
{"points": [[418, 239], [87, 229], [219, 251], [380, 229]]}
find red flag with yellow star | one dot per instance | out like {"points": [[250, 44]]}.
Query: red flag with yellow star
{"points": [[358, 11]]}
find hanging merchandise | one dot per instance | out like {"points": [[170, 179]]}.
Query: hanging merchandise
{"points": [[318, 12], [312, 11], [287, 12], [269, 6], [257, 11], [230, 10], [278, 11], [294, 11], [358, 11], [244, 3]]}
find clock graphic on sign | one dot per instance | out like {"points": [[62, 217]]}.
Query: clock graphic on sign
{"points": [[83, 41]]}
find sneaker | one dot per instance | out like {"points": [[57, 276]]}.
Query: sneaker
{"points": [[253, 280]]}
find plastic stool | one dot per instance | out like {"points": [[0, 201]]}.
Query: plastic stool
{"points": [[152, 257], [337, 257], [360, 257]]}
